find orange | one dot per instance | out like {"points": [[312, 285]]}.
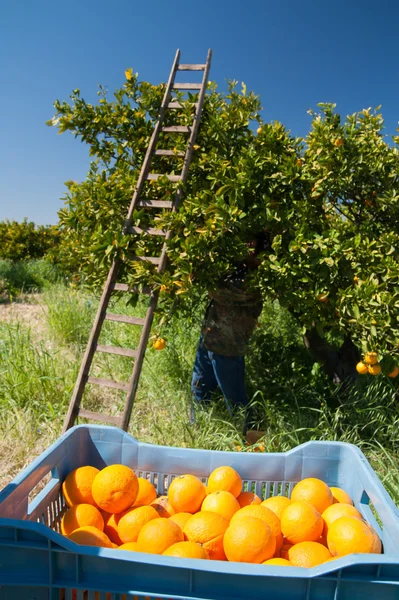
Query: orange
{"points": [[159, 344], [336, 511], [79, 516], [163, 507], [133, 546], [249, 539], [226, 479], [371, 358], [265, 514], [131, 521], [181, 519], [277, 504], [147, 492], [115, 488], [247, 498], [301, 522], [111, 528], [186, 493], [340, 495], [394, 373], [90, 536], [223, 503], [350, 534], [322, 297], [314, 491], [186, 550], [338, 142], [374, 369], [207, 529], [284, 549], [77, 486], [157, 535], [362, 368], [308, 554], [278, 562]]}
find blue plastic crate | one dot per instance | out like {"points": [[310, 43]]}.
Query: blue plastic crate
{"points": [[37, 563]]}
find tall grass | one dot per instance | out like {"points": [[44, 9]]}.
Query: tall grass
{"points": [[17, 277]]}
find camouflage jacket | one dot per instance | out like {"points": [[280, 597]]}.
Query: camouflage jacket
{"points": [[231, 316]]}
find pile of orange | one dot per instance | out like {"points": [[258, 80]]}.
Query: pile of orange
{"points": [[371, 365], [113, 508]]}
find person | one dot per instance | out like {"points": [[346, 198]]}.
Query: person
{"points": [[229, 321]]}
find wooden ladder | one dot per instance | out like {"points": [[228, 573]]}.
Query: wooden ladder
{"points": [[111, 284]]}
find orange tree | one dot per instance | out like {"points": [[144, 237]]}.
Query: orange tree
{"points": [[25, 240], [329, 202]]}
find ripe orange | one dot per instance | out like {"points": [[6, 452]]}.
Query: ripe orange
{"points": [[322, 297], [223, 503], [308, 554], [79, 516], [336, 511], [207, 529], [249, 539], [77, 486], [133, 546], [90, 536], [266, 515], [341, 496], [350, 534], [314, 491], [362, 368], [181, 519], [186, 550], [147, 492], [301, 522], [371, 358], [225, 478], [157, 535], [338, 142], [159, 344], [259, 130], [186, 493], [163, 507], [248, 498], [111, 528], [131, 521], [115, 488], [394, 373], [278, 562], [277, 504], [374, 369]]}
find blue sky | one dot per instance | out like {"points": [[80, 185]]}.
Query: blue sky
{"points": [[294, 54]]}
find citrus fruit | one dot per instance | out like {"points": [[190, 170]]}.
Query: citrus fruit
{"points": [[90, 536], [163, 507], [278, 562], [301, 522], [186, 550], [147, 492], [77, 486], [226, 479], [186, 493], [207, 529], [111, 528], [350, 534], [223, 503], [79, 516], [314, 491], [265, 514], [362, 368], [181, 519], [133, 546], [336, 511], [308, 554], [247, 498], [371, 358], [159, 344], [249, 539], [131, 521], [394, 373], [374, 369], [340, 495], [115, 488], [322, 297], [259, 130], [157, 535], [339, 142], [277, 504]]}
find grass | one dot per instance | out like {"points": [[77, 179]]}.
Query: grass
{"points": [[292, 399], [18, 277]]}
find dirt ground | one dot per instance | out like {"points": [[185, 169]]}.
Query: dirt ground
{"points": [[31, 314]]}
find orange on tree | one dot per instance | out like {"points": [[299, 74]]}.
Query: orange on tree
{"points": [[223, 503], [301, 522], [264, 514], [157, 535], [336, 511], [322, 297], [226, 479], [131, 521], [371, 358], [147, 492], [349, 535], [394, 372], [249, 539], [277, 562], [314, 491], [79, 516], [111, 528], [308, 554], [207, 529], [77, 486], [186, 550], [248, 498], [115, 488], [340, 495], [90, 536], [186, 493], [159, 344], [181, 519], [374, 369], [362, 368], [277, 504], [132, 546], [163, 507]]}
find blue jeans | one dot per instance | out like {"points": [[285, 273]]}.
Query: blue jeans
{"points": [[213, 370]]}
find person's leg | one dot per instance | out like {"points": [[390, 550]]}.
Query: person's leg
{"points": [[203, 381], [230, 376]]}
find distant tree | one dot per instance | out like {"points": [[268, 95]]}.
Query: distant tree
{"points": [[25, 240]]}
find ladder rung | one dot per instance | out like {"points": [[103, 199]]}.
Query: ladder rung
{"points": [[155, 176], [191, 67], [168, 153], [176, 129], [96, 416], [155, 260], [123, 287], [124, 319], [148, 230], [108, 383], [175, 104], [117, 350], [154, 203], [187, 86]]}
